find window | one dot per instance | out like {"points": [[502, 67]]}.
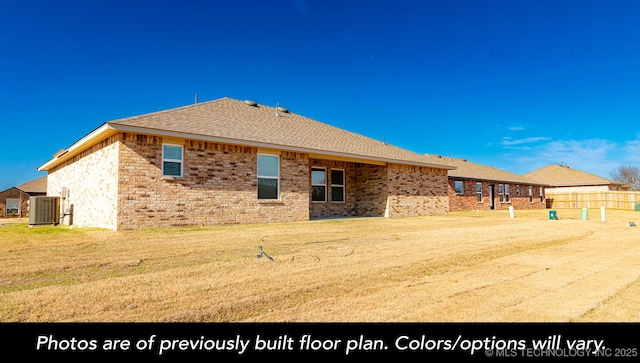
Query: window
{"points": [[542, 194], [530, 194], [337, 185], [318, 185], [459, 187], [507, 195], [517, 190], [479, 192], [501, 192], [172, 160], [268, 177], [13, 207]]}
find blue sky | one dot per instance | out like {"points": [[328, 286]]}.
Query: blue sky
{"points": [[514, 84]]}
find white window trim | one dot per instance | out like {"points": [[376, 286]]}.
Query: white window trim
{"points": [[6, 208], [181, 161], [531, 195], [501, 193], [343, 186], [507, 193], [270, 177], [455, 189], [319, 185], [479, 193]]}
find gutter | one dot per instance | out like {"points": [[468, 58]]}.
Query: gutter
{"points": [[109, 129], [96, 135]]}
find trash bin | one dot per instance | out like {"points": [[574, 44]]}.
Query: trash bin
{"points": [[637, 207], [585, 214], [553, 215]]}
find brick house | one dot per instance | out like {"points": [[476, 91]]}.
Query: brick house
{"points": [[473, 186], [229, 161], [15, 201], [563, 179]]}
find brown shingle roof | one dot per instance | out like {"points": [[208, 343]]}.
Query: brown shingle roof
{"points": [[563, 176], [238, 121], [469, 170], [34, 186]]}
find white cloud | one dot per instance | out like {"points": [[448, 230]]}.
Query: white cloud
{"points": [[632, 149], [516, 128], [591, 155], [597, 156], [507, 141]]}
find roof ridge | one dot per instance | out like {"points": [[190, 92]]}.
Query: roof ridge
{"points": [[577, 176], [160, 112], [237, 121], [34, 185], [336, 128]]}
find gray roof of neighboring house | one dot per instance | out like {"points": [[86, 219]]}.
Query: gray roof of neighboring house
{"points": [[469, 170], [229, 120], [34, 186], [563, 176]]}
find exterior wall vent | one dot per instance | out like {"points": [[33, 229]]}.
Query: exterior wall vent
{"points": [[44, 210]]}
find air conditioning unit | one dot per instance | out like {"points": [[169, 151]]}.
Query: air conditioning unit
{"points": [[44, 210]]}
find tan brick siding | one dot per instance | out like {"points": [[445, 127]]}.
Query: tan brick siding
{"points": [[91, 179], [416, 191], [371, 190], [468, 200], [394, 191], [219, 186], [329, 208], [118, 184]]}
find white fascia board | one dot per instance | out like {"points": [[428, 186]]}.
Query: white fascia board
{"points": [[77, 146]]}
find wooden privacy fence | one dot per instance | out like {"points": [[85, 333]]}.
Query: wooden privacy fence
{"points": [[607, 199]]}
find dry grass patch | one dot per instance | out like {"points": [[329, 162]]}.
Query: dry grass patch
{"points": [[468, 266]]}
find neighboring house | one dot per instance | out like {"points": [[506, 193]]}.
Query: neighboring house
{"points": [[474, 186], [563, 179], [15, 201], [231, 161]]}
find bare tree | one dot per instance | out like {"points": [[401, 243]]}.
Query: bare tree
{"points": [[627, 175]]}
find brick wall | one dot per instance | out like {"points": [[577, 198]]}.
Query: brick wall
{"points": [[329, 208], [14, 193], [118, 184], [416, 191], [371, 190], [468, 200], [91, 179], [219, 186]]}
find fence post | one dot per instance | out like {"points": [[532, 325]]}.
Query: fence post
{"points": [[603, 218]]}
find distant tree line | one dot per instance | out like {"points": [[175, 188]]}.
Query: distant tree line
{"points": [[627, 175]]}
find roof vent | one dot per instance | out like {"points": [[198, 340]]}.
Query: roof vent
{"points": [[60, 153], [280, 109], [250, 103]]}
